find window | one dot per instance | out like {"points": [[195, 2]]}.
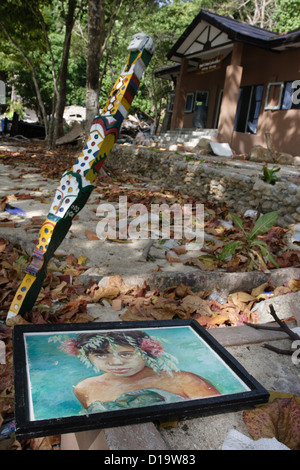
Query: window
{"points": [[274, 95], [218, 108], [283, 95], [171, 103], [248, 108], [201, 99], [200, 109], [189, 103]]}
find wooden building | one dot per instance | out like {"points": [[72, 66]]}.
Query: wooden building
{"points": [[237, 78]]}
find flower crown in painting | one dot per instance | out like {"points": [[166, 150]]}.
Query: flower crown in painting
{"points": [[148, 348]]}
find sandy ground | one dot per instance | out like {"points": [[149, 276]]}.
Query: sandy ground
{"points": [[104, 257]]}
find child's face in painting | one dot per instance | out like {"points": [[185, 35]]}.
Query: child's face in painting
{"points": [[124, 362]]}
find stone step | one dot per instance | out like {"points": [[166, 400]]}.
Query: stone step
{"points": [[192, 131], [185, 136]]}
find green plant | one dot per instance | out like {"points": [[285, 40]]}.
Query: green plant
{"points": [[188, 158], [251, 245], [15, 107], [269, 175]]}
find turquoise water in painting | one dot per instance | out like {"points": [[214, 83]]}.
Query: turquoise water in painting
{"points": [[53, 374]]}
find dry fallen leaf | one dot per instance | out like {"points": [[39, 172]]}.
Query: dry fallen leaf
{"points": [[3, 243], [16, 320], [281, 290], [294, 285], [240, 299], [279, 419], [182, 290], [180, 250], [194, 304], [105, 293], [172, 258], [203, 320], [219, 319], [44, 443], [196, 262], [91, 235], [82, 260], [259, 290]]}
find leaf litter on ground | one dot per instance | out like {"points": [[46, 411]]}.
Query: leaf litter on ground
{"points": [[64, 298]]}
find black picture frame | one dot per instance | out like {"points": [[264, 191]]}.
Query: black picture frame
{"points": [[28, 426]]}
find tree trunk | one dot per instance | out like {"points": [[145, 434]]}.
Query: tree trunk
{"points": [[63, 73], [95, 40], [35, 82]]}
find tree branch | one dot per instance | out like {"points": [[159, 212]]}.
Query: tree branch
{"points": [[282, 327], [37, 13], [35, 82]]}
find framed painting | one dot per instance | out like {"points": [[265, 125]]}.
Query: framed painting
{"points": [[78, 377]]}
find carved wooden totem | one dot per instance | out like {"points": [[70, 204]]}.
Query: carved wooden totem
{"points": [[76, 184]]}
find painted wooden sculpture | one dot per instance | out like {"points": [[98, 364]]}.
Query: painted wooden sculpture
{"points": [[76, 185]]}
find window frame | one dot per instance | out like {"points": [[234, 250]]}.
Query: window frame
{"points": [[170, 107], [206, 99], [278, 106], [189, 107]]}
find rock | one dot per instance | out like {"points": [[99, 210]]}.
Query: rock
{"points": [[157, 252], [222, 150], [228, 224], [203, 144], [251, 213], [259, 186], [172, 147], [285, 159], [75, 134], [296, 160], [103, 313], [258, 153], [281, 306], [169, 244], [295, 238]]}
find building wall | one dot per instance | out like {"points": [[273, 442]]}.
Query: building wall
{"points": [[260, 66], [212, 82]]}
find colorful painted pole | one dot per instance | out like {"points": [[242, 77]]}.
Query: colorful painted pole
{"points": [[76, 185]]}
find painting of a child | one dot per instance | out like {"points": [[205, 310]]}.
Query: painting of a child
{"points": [[136, 371]]}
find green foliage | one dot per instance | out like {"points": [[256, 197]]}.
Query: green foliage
{"points": [[287, 15], [229, 249], [163, 20], [269, 175], [250, 243], [15, 107]]}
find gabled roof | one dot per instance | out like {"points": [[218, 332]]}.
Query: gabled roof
{"points": [[210, 32]]}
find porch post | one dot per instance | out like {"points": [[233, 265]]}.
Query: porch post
{"points": [[232, 84], [179, 100]]}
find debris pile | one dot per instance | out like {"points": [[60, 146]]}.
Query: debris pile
{"points": [[136, 130]]}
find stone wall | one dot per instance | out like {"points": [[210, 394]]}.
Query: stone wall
{"points": [[217, 183]]}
